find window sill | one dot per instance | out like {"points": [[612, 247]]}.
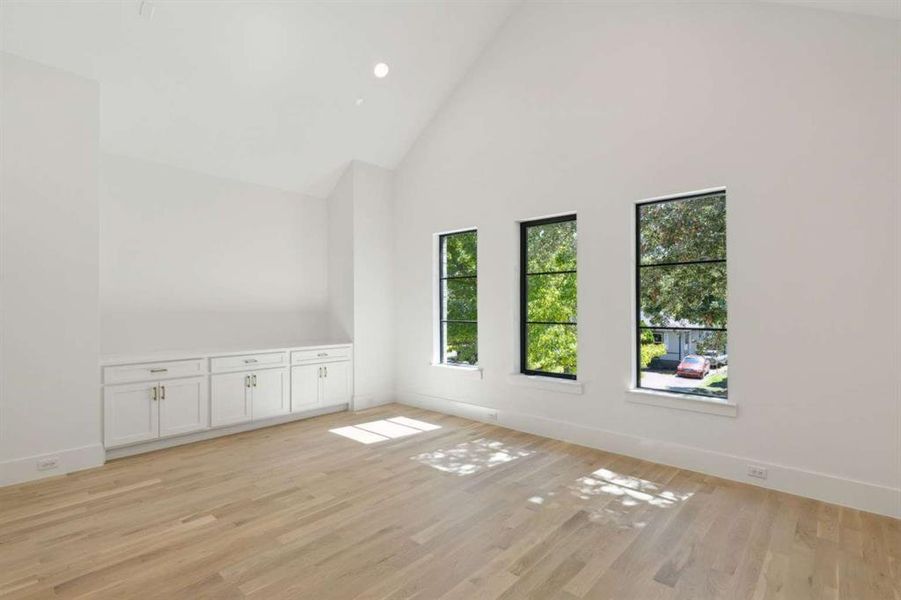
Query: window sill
{"points": [[683, 402], [469, 372], [551, 384]]}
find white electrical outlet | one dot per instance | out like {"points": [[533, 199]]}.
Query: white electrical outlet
{"points": [[756, 472], [45, 464], [493, 415]]}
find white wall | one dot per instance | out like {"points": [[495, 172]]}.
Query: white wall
{"points": [[49, 344], [375, 223], [361, 276], [589, 107], [192, 260], [341, 257]]}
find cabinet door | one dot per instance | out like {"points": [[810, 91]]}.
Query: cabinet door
{"points": [[184, 405], [131, 413], [305, 387], [336, 384], [230, 399], [270, 393]]}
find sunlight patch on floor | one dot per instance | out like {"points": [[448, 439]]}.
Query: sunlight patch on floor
{"points": [[472, 457], [610, 497], [632, 490], [415, 423], [382, 430]]}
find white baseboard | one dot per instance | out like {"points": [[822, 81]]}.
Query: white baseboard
{"points": [[819, 486], [208, 434], [364, 401], [20, 470]]}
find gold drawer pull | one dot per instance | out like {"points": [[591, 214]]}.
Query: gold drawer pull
{"points": [[159, 370]]}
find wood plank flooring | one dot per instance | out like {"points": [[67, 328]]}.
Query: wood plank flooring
{"points": [[466, 511]]}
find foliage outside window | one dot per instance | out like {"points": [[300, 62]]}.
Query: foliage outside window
{"points": [[458, 293], [548, 286], [681, 309]]}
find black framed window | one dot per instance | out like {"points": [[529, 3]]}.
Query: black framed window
{"points": [[681, 313], [458, 297], [548, 290]]}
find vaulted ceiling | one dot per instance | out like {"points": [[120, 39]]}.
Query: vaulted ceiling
{"points": [[265, 92], [271, 92], [886, 9]]}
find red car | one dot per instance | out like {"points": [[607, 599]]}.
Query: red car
{"points": [[693, 366]]}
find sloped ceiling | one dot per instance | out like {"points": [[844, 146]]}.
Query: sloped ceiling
{"points": [[268, 91], [265, 92], [886, 9]]}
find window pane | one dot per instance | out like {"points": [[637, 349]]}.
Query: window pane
{"points": [[551, 297], [461, 343], [694, 362], [460, 254], [460, 299], [551, 247], [683, 230], [684, 296], [551, 348]]}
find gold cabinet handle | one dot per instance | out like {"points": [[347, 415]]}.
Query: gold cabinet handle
{"points": [[162, 392], [326, 371], [247, 381], [322, 354], [153, 394], [159, 370], [254, 380]]}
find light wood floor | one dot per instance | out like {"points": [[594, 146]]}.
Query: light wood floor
{"points": [[466, 511]]}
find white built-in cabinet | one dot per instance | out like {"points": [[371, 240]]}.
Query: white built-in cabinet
{"points": [[305, 385], [270, 393], [137, 412], [183, 405], [131, 413], [255, 391], [320, 378], [335, 383], [233, 399], [147, 401], [319, 386]]}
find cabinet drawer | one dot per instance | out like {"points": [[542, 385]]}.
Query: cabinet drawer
{"points": [[153, 371], [320, 355], [248, 361]]}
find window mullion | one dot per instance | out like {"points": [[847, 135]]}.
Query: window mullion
{"points": [[706, 261]]}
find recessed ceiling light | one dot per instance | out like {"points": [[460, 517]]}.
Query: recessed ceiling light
{"points": [[146, 9], [359, 101], [380, 70]]}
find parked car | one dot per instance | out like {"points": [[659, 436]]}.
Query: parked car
{"points": [[717, 359], [693, 366]]}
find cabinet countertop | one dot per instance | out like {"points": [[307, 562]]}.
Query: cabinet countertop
{"points": [[168, 355]]}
